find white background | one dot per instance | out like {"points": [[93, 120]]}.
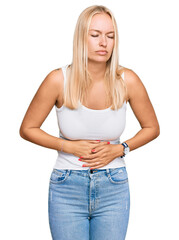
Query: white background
{"points": [[37, 37]]}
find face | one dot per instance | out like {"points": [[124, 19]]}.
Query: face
{"points": [[100, 38]]}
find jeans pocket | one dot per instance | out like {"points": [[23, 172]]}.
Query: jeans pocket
{"points": [[59, 175], [118, 175]]}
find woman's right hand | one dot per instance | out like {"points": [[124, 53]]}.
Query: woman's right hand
{"points": [[83, 147]]}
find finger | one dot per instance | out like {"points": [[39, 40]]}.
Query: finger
{"points": [[88, 163], [89, 158], [93, 141], [106, 142], [97, 149], [91, 165], [103, 144]]}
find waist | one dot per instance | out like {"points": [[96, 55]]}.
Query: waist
{"points": [[116, 141], [70, 161]]}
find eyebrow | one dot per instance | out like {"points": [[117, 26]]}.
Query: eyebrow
{"points": [[100, 31]]}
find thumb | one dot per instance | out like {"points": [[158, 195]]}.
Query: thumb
{"points": [[104, 143]]}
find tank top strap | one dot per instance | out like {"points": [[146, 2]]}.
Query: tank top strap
{"points": [[64, 74]]}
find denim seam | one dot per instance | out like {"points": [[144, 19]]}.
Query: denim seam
{"points": [[59, 182], [118, 182], [115, 182]]}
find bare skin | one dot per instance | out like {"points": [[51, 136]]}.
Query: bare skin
{"points": [[50, 93]]}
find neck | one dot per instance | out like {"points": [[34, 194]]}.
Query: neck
{"points": [[96, 70]]}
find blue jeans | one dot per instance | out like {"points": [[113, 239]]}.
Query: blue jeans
{"points": [[86, 205]]}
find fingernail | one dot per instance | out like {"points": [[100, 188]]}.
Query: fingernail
{"points": [[83, 165], [93, 150], [79, 159], [108, 142], [98, 140], [91, 168]]}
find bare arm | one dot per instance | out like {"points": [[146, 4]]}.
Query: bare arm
{"points": [[38, 110], [143, 110]]}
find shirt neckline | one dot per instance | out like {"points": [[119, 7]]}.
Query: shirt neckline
{"points": [[93, 110]]}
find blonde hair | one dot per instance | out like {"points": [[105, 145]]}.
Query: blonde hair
{"points": [[78, 79]]}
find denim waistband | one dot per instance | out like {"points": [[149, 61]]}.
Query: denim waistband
{"points": [[89, 171], [96, 170]]}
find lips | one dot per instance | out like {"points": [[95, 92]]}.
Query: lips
{"points": [[101, 52]]}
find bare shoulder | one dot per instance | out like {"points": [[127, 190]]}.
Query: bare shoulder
{"points": [[134, 83], [54, 83], [44, 99], [54, 79], [130, 75]]}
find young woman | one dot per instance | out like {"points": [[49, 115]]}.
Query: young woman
{"points": [[89, 191]]}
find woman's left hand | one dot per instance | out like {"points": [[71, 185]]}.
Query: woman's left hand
{"points": [[102, 155]]}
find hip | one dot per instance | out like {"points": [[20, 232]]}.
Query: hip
{"points": [[101, 183]]}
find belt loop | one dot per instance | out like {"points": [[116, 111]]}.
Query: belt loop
{"points": [[107, 170]]}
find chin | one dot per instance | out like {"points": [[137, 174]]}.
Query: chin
{"points": [[100, 59]]}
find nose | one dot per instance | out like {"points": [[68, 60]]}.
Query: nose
{"points": [[103, 41]]}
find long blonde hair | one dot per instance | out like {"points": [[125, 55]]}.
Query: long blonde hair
{"points": [[78, 79]]}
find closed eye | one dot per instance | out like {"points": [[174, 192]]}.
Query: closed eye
{"points": [[98, 36]]}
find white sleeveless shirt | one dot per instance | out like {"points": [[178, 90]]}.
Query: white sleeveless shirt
{"points": [[89, 124]]}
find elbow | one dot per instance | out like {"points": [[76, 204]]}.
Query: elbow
{"points": [[156, 131], [22, 133]]}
